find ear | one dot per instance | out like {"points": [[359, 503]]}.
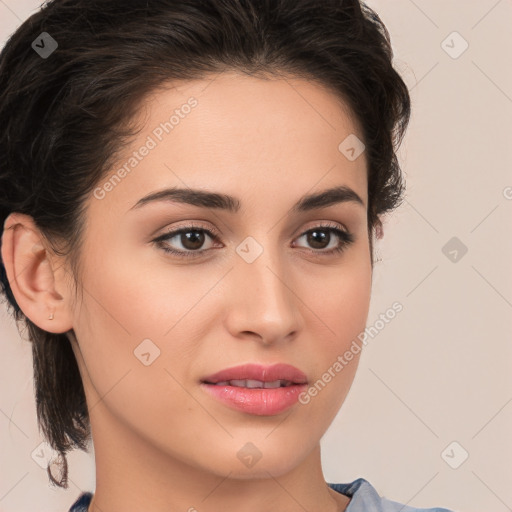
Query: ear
{"points": [[37, 277]]}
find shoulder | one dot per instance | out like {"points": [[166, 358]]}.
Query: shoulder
{"points": [[365, 498], [82, 502]]}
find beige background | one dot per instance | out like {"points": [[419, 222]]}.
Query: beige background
{"points": [[439, 372]]}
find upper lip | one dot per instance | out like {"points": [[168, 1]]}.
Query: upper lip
{"points": [[259, 372]]}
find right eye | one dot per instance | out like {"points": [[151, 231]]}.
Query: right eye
{"points": [[190, 237]]}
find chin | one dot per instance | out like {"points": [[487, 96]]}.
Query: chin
{"points": [[251, 463]]}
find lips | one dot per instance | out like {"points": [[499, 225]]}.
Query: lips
{"points": [[255, 375], [256, 389]]}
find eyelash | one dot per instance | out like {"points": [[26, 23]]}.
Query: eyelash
{"points": [[346, 238]]}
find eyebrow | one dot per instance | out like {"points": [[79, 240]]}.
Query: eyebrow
{"points": [[204, 199]]}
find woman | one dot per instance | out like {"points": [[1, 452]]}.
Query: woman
{"points": [[190, 193]]}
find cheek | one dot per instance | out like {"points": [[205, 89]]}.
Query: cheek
{"points": [[349, 305], [341, 305], [339, 298], [131, 366], [140, 296], [131, 324]]}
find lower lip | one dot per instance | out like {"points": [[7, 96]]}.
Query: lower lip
{"points": [[259, 401]]}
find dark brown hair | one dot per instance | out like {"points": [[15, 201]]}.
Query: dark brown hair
{"points": [[64, 119]]}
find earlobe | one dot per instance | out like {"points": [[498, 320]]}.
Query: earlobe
{"points": [[33, 276]]}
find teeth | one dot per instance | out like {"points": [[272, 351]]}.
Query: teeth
{"points": [[251, 384]]}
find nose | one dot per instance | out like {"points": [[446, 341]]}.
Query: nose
{"points": [[262, 302]]}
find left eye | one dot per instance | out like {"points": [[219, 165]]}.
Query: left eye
{"points": [[192, 239], [322, 234]]}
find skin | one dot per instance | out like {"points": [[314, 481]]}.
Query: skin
{"points": [[161, 443]]}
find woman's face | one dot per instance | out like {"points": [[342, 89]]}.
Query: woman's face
{"points": [[153, 325]]}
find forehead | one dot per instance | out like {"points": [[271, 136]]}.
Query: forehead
{"points": [[241, 134]]}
